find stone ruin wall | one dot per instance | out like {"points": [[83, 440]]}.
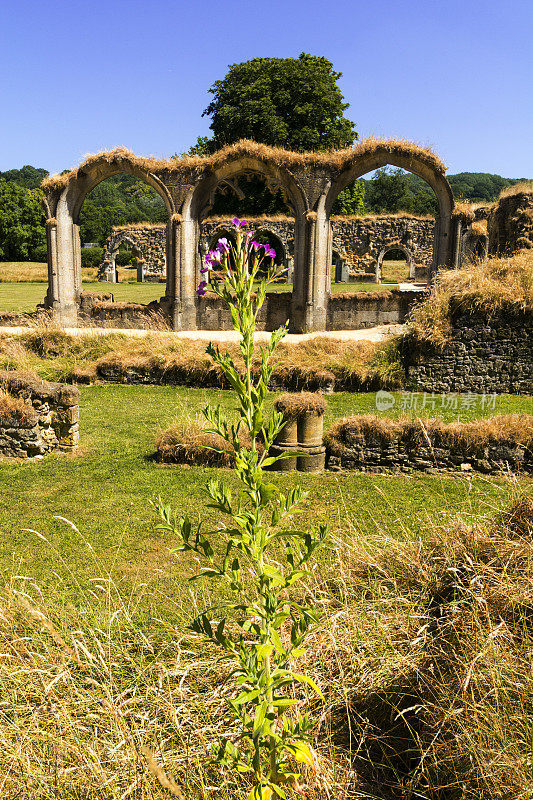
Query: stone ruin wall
{"points": [[358, 241], [150, 243], [484, 355], [51, 421], [510, 224], [429, 451], [498, 229]]}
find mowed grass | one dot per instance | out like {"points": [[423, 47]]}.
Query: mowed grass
{"points": [[24, 296], [23, 286], [106, 489]]}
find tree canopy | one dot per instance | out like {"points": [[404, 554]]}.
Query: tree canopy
{"points": [[293, 103], [22, 231]]}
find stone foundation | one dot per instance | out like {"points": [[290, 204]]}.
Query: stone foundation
{"points": [[372, 444], [47, 419], [484, 356]]}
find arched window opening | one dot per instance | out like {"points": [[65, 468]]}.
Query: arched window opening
{"points": [[408, 202], [123, 201], [246, 193]]}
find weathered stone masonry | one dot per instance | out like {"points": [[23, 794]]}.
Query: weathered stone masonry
{"points": [[427, 449], [310, 183], [50, 421], [359, 242], [484, 355], [148, 243]]}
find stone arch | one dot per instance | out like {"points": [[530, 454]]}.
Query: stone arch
{"points": [[395, 246], [279, 246], [233, 165], [415, 162], [200, 197], [108, 268], [64, 250]]}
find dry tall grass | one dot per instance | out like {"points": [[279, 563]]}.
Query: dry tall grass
{"points": [[336, 160], [14, 410], [23, 271], [190, 443], [424, 655], [525, 187], [466, 436], [499, 284]]}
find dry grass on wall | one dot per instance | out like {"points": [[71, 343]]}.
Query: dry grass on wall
{"points": [[335, 160], [525, 187], [468, 437], [481, 287], [319, 363], [14, 409], [190, 443], [293, 406], [424, 655]]}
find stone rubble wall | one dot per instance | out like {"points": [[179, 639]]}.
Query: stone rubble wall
{"points": [[372, 453], [50, 421], [357, 240], [149, 240], [510, 224], [484, 355], [360, 240]]}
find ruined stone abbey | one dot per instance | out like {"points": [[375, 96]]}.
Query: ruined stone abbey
{"points": [[315, 247]]}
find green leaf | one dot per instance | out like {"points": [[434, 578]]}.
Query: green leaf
{"points": [[302, 752], [260, 714], [310, 682]]}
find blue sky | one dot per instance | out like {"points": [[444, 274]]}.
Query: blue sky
{"points": [[77, 77]]}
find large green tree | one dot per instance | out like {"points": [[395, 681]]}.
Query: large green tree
{"points": [[293, 103], [22, 231]]}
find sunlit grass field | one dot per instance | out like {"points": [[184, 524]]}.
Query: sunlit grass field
{"points": [[106, 489], [23, 285]]}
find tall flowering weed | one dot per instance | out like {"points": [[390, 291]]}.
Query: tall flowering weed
{"points": [[263, 628]]}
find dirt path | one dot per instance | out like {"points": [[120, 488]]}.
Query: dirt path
{"points": [[375, 334]]}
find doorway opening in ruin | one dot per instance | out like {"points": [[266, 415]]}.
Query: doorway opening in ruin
{"points": [[394, 266], [119, 200], [127, 259]]}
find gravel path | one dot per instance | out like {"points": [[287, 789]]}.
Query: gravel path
{"points": [[376, 334]]}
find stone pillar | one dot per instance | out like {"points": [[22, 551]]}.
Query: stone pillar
{"points": [[301, 437], [51, 249], [182, 271], [310, 288], [63, 257]]}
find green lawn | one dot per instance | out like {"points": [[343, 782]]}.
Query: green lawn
{"points": [[106, 491], [25, 296]]}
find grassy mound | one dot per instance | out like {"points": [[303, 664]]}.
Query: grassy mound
{"points": [[319, 363], [499, 284], [191, 443]]}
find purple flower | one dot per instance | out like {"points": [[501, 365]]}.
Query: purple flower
{"points": [[257, 245], [238, 223], [201, 289], [222, 247], [269, 251], [213, 257]]}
